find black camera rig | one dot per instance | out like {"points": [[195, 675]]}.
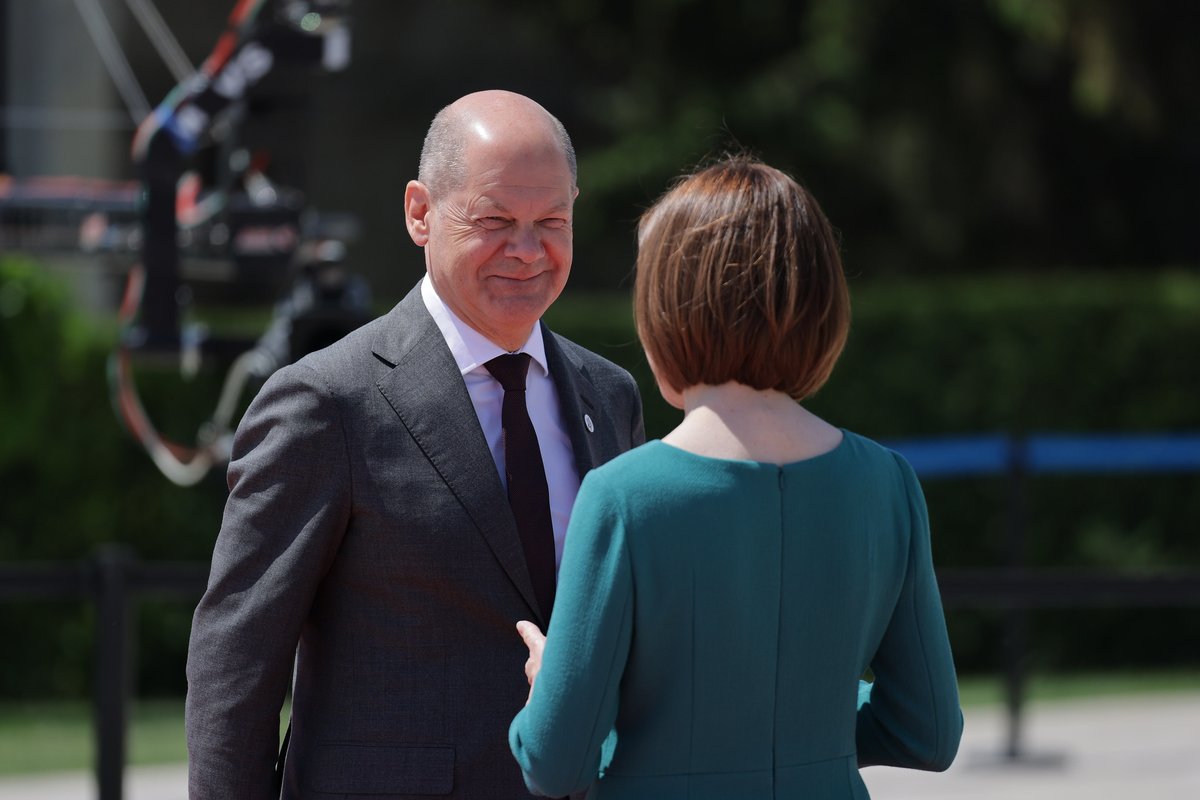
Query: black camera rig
{"points": [[204, 204]]}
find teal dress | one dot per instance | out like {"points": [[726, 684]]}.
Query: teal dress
{"points": [[714, 618]]}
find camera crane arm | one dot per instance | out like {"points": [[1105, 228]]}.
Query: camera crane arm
{"points": [[300, 32]]}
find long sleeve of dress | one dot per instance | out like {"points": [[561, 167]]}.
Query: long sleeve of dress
{"points": [[910, 715], [558, 737]]}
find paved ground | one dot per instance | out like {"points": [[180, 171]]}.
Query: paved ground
{"points": [[1122, 749], [1125, 749]]}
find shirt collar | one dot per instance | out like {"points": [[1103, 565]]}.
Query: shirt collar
{"points": [[470, 348]]}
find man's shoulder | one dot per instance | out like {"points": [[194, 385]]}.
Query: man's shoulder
{"points": [[386, 337], [343, 351], [350, 364]]}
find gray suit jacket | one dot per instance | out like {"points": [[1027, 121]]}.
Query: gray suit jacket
{"points": [[367, 543]]}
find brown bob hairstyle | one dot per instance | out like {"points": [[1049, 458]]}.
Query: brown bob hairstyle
{"points": [[739, 279]]}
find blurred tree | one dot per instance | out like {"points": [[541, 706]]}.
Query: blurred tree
{"points": [[937, 134], [940, 135]]}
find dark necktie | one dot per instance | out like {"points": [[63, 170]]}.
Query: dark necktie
{"points": [[527, 491]]}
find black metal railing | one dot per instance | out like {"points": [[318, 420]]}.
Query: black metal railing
{"points": [[114, 579]]}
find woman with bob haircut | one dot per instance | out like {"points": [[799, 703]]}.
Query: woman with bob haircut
{"points": [[724, 589]]}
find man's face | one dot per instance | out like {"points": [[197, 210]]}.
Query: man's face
{"points": [[498, 248]]}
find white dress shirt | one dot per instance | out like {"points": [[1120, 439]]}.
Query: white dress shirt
{"points": [[471, 350]]}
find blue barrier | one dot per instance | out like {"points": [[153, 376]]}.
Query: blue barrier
{"points": [[1114, 453], [957, 456], [1049, 453]]}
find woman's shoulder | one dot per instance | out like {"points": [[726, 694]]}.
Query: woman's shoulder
{"points": [[869, 452], [634, 465], [644, 474], [657, 468]]}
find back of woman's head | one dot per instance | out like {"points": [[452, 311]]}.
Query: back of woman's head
{"points": [[739, 279]]}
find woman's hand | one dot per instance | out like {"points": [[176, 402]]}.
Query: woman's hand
{"points": [[535, 641]]}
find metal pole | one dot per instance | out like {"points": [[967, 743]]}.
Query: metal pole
{"points": [[1016, 617], [113, 637]]}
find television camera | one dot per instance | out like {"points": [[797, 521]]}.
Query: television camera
{"points": [[204, 204]]}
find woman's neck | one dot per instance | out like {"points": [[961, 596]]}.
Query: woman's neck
{"points": [[733, 420]]}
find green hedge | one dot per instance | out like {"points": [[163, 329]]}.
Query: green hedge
{"points": [[71, 480], [1016, 354]]}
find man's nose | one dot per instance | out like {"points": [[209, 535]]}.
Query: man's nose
{"points": [[525, 244]]}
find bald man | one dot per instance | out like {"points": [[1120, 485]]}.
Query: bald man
{"points": [[373, 554]]}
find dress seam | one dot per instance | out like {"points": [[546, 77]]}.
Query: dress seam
{"points": [[778, 632]]}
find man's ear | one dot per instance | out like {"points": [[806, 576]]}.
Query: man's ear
{"points": [[416, 212]]}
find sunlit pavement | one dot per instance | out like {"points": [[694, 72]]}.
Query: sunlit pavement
{"points": [[1132, 748], [1111, 749], [141, 783]]}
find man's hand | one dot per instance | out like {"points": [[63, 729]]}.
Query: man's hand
{"points": [[535, 641]]}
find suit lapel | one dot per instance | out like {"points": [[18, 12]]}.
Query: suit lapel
{"points": [[578, 403], [428, 394]]}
